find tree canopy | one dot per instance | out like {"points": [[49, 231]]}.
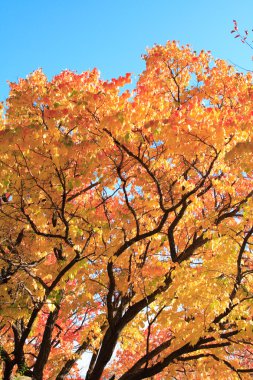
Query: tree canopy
{"points": [[126, 223]]}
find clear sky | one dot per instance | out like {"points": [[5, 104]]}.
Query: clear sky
{"points": [[112, 34]]}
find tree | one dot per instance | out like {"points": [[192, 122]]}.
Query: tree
{"points": [[126, 223]]}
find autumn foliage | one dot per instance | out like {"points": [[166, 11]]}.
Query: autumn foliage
{"points": [[126, 223]]}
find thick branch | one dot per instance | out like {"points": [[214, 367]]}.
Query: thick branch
{"points": [[46, 344]]}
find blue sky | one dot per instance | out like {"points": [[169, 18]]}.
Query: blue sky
{"points": [[112, 34]]}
